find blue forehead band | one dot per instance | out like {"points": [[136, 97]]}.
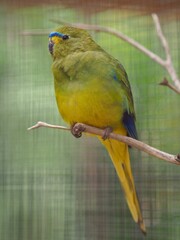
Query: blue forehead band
{"points": [[56, 34]]}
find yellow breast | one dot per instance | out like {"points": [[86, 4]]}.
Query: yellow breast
{"points": [[93, 104]]}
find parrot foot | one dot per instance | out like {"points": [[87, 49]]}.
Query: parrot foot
{"points": [[77, 129], [106, 133]]}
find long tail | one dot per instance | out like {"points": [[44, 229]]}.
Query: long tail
{"points": [[119, 154]]}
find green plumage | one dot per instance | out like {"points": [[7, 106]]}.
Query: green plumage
{"points": [[92, 87], [79, 60]]}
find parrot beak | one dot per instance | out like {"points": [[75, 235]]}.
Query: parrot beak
{"points": [[53, 40], [50, 46]]}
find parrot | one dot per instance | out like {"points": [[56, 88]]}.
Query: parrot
{"points": [[92, 87]]}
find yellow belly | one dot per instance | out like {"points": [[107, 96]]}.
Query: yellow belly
{"points": [[93, 105]]}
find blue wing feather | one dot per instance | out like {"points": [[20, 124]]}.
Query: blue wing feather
{"points": [[129, 115], [129, 123]]}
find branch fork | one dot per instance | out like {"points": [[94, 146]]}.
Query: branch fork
{"points": [[167, 63]]}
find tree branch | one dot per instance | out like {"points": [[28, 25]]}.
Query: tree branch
{"points": [[166, 83], [175, 159], [120, 35], [167, 63], [36, 32]]}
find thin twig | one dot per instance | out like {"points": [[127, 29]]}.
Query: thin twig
{"points": [[37, 32], [118, 34], [47, 125], [168, 62], [166, 83], [175, 159]]}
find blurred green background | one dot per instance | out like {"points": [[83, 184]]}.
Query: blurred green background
{"points": [[56, 187]]}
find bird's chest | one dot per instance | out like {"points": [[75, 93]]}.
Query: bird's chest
{"points": [[93, 103]]}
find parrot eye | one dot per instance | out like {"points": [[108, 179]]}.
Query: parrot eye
{"points": [[65, 37]]}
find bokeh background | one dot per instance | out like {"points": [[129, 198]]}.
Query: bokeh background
{"points": [[53, 186]]}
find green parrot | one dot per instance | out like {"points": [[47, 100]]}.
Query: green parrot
{"points": [[92, 87]]}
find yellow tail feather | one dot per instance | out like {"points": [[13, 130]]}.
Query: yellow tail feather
{"points": [[119, 154]]}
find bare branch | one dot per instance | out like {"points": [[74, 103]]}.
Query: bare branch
{"points": [[47, 125], [37, 32], [175, 159], [161, 35], [166, 83], [120, 35], [168, 62]]}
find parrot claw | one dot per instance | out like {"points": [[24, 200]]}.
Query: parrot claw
{"points": [[77, 129], [106, 133]]}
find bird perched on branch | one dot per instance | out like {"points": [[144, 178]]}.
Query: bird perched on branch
{"points": [[92, 87]]}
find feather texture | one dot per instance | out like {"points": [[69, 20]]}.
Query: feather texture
{"points": [[92, 87]]}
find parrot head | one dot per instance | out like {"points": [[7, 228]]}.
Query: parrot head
{"points": [[67, 40]]}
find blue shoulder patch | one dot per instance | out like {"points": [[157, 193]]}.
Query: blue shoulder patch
{"points": [[129, 123], [115, 78]]}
